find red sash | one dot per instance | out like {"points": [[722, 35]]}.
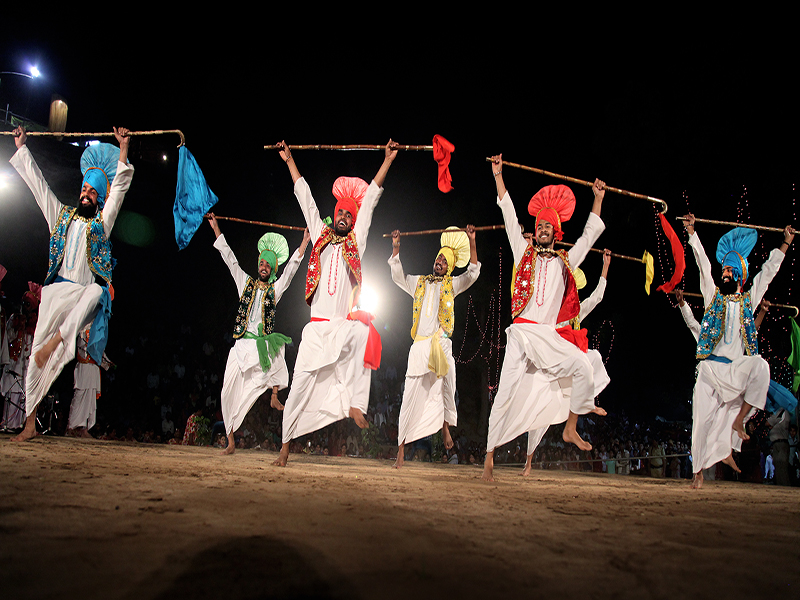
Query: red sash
{"points": [[578, 337]]}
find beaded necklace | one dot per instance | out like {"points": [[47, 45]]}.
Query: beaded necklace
{"points": [[334, 255], [542, 279]]}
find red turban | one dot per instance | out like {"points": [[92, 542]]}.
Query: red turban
{"points": [[554, 204], [349, 192]]}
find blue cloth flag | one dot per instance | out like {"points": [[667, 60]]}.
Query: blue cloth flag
{"points": [[779, 397], [193, 198]]}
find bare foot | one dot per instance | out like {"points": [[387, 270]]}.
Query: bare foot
{"points": [[231, 447], [697, 480], [448, 440], [44, 353], [488, 467], [283, 457], [358, 417], [572, 437], [29, 432], [731, 463], [528, 464], [71, 433], [738, 427], [275, 403], [599, 410], [401, 452]]}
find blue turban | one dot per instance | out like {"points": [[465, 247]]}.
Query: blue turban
{"points": [[99, 167], [733, 249]]}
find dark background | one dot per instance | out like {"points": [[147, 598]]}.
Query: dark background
{"points": [[708, 127]]}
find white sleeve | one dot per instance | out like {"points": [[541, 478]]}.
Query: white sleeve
{"points": [[513, 230], [594, 227], [239, 276], [691, 322], [765, 276], [593, 300], [23, 162], [289, 271], [364, 219], [707, 286], [407, 283], [309, 208], [462, 283], [119, 187]]}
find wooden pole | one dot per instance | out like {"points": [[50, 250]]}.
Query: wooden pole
{"points": [[733, 224], [432, 231], [633, 258], [772, 304], [100, 134], [260, 223], [586, 183], [344, 147]]}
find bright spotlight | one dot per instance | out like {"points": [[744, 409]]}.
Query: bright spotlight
{"points": [[368, 300], [35, 71]]}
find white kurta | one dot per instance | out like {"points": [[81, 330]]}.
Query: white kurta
{"points": [[518, 406], [244, 379], [12, 383], [68, 306], [428, 400], [83, 409], [329, 374], [561, 393], [721, 388]]}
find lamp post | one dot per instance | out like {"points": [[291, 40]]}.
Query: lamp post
{"points": [[34, 73]]}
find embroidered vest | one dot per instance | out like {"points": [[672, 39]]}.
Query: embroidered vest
{"points": [[446, 304], [570, 304], [349, 252], [98, 248], [246, 305], [712, 326]]}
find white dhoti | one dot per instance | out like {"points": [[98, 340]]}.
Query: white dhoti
{"points": [[66, 308], [561, 394], [530, 395], [245, 381], [329, 377], [428, 401], [718, 395], [83, 409]]}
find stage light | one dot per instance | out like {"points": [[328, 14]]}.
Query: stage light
{"points": [[35, 71], [368, 300]]}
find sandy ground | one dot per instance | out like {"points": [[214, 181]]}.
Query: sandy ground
{"points": [[93, 519]]}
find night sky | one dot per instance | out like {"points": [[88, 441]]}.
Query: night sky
{"points": [[708, 130]]}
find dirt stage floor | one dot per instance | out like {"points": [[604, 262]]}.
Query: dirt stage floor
{"points": [[93, 519]]}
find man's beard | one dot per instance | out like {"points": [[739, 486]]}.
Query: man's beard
{"points": [[728, 286], [87, 211], [341, 229]]}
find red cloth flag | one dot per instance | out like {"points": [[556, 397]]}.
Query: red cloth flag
{"points": [[441, 154], [677, 255]]}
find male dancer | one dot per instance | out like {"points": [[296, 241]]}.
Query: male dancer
{"points": [[563, 387], [257, 360], [544, 294], [83, 408], [331, 375], [732, 378], [80, 253], [429, 396]]}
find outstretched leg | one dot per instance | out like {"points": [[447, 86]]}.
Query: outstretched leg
{"points": [[274, 402], [738, 422], [731, 463], [571, 433], [29, 430], [45, 351], [358, 417]]}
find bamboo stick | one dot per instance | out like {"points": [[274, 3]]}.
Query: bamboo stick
{"points": [[260, 223], [733, 224], [432, 231], [100, 134], [614, 255], [344, 147], [772, 304], [586, 183]]}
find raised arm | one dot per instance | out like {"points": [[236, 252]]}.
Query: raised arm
{"points": [[287, 157], [707, 286], [463, 282], [121, 183], [390, 152], [407, 283], [767, 273], [513, 230], [289, 271], [26, 166], [239, 276]]}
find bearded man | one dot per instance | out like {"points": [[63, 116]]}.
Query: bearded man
{"points": [[339, 346], [77, 289], [732, 377], [545, 294]]}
